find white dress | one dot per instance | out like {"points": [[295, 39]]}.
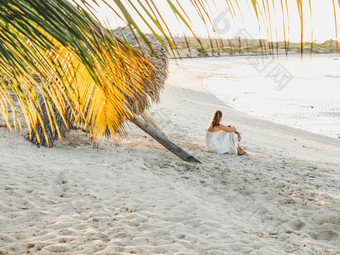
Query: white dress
{"points": [[221, 141]]}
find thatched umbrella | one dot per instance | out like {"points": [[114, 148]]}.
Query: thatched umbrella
{"points": [[158, 57], [159, 60]]}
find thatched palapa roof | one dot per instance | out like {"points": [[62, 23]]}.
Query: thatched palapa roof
{"points": [[152, 86]]}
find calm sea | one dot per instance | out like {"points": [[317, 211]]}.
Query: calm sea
{"points": [[302, 93]]}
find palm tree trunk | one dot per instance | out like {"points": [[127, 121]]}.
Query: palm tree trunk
{"points": [[163, 140], [150, 121]]}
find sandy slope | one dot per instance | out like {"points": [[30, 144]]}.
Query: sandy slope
{"points": [[139, 198]]}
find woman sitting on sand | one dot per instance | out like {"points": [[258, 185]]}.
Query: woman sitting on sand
{"points": [[222, 139]]}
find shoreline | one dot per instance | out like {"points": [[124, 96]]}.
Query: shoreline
{"points": [[218, 74], [258, 54], [311, 139]]}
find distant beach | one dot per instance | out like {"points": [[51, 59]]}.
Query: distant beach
{"points": [[308, 99]]}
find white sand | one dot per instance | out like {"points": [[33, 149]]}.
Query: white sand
{"points": [[139, 198]]}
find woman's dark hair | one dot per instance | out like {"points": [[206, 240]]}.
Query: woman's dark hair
{"points": [[215, 120]]}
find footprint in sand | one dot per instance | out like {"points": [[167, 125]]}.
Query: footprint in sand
{"points": [[60, 185], [331, 219], [297, 224], [293, 226], [328, 235]]}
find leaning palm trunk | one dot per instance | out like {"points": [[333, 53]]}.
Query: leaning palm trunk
{"points": [[157, 55], [162, 139]]}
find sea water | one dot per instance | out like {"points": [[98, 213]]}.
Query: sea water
{"points": [[298, 92]]}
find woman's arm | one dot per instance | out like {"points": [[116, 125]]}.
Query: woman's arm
{"points": [[228, 128], [231, 128]]}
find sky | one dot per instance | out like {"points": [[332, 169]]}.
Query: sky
{"points": [[244, 24]]}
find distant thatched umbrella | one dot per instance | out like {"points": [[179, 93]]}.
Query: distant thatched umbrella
{"points": [[158, 57]]}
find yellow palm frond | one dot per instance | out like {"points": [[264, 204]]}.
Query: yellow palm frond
{"points": [[93, 77]]}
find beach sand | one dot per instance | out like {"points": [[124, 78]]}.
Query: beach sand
{"points": [[138, 198]]}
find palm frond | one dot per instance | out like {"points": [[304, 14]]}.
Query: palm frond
{"points": [[81, 65], [88, 75]]}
